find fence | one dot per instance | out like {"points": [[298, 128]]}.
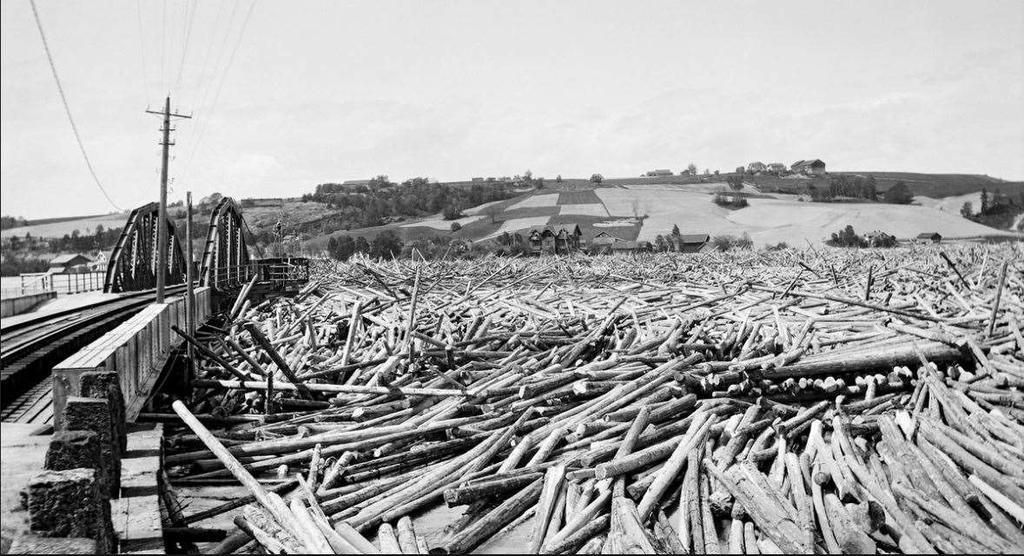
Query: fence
{"points": [[61, 283]]}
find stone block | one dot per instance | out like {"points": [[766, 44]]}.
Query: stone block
{"points": [[93, 414], [35, 544], [69, 503], [107, 385], [74, 449]]}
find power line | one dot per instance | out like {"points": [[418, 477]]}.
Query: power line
{"points": [[220, 85], [142, 51], [67, 108], [163, 45], [191, 14]]}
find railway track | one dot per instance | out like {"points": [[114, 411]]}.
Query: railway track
{"points": [[29, 350]]}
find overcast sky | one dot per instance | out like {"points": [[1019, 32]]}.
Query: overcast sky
{"points": [[332, 90]]}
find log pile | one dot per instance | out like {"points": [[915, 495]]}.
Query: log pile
{"points": [[793, 401]]}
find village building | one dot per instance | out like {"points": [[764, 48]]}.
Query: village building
{"points": [[602, 243], [554, 240], [631, 246], [813, 167], [879, 238], [756, 167], [65, 264], [928, 237], [777, 168], [688, 243], [659, 172]]}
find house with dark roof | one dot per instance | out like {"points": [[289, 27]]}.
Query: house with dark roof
{"points": [[813, 167], [64, 264], [777, 168], [659, 172], [554, 240], [631, 246], [688, 243], [755, 167], [602, 243]]}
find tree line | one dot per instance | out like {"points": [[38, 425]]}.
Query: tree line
{"points": [[382, 201]]}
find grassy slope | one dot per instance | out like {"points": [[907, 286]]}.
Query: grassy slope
{"points": [[58, 227]]}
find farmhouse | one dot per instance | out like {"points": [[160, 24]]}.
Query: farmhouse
{"points": [[809, 167], [630, 246], [777, 167], [879, 238], [688, 243], [64, 264], [659, 172], [928, 237], [755, 167], [602, 243], [548, 240]]}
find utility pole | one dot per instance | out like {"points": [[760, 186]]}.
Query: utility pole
{"points": [[161, 266], [190, 293]]}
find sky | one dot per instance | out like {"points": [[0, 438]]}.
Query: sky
{"points": [[287, 95]]}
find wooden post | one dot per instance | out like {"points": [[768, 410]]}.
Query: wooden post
{"points": [[190, 293]]}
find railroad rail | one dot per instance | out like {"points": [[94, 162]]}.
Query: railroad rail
{"points": [[30, 348]]}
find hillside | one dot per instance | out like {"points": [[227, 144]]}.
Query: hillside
{"points": [[58, 227], [770, 218]]}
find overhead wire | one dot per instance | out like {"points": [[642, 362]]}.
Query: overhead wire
{"points": [[67, 107], [190, 17], [142, 52], [163, 46], [220, 86]]}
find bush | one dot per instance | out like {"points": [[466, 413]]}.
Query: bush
{"points": [[899, 194], [729, 242], [730, 201], [456, 226], [452, 212], [846, 238], [14, 265], [780, 246]]}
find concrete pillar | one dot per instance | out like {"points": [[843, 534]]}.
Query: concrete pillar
{"points": [[69, 504], [79, 449], [92, 414], [106, 385]]}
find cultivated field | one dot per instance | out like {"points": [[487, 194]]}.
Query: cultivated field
{"points": [[796, 401], [782, 218], [66, 227]]}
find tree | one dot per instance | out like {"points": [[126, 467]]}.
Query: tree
{"points": [[361, 245], [735, 182], [691, 169], [332, 247], [558, 178], [386, 244], [899, 194], [675, 230], [456, 226], [967, 210], [984, 202], [596, 178], [847, 238], [452, 212]]}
